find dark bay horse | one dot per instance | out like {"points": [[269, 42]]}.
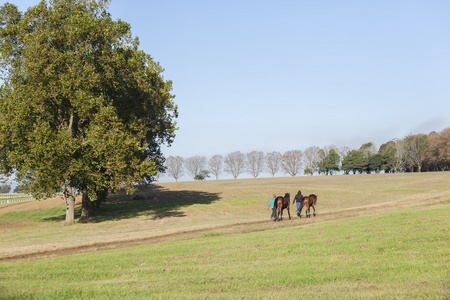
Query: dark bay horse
{"points": [[308, 202], [282, 203]]}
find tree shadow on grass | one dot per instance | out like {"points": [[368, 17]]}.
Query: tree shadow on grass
{"points": [[153, 201]]}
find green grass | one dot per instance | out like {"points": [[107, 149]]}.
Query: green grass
{"points": [[399, 255], [54, 213], [395, 253]]}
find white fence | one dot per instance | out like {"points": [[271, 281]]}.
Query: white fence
{"points": [[12, 198]]}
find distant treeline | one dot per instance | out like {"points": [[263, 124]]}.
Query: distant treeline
{"points": [[414, 153]]}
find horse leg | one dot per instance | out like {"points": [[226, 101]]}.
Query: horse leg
{"points": [[314, 211], [289, 213]]}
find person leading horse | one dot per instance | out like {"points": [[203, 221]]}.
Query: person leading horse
{"points": [[299, 199]]}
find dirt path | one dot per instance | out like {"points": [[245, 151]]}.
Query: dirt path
{"points": [[42, 251]]}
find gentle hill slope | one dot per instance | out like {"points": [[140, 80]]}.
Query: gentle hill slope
{"points": [[402, 254], [186, 209]]}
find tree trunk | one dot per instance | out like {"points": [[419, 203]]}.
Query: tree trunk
{"points": [[101, 197], [70, 205], [96, 204], [87, 207], [68, 193]]}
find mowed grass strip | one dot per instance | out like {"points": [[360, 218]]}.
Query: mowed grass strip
{"points": [[398, 255]]}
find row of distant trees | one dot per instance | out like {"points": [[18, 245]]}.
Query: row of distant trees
{"points": [[414, 153]]}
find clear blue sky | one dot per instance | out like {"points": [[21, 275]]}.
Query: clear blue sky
{"points": [[285, 75]]}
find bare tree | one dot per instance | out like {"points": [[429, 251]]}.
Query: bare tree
{"points": [[215, 164], [342, 152], [292, 162], [175, 166], [415, 149], [255, 163], [399, 157], [195, 164], [311, 158], [273, 160], [235, 163]]}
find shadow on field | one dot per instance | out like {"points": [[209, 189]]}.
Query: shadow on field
{"points": [[152, 201]]}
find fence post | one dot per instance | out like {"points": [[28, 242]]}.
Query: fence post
{"points": [[11, 198]]}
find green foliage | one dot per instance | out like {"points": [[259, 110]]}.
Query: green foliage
{"points": [[387, 152], [80, 105], [308, 171], [367, 149], [375, 162], [330, 163], [21, 189], [5, 188], [354, 162], [202, 175], [365, 160]]}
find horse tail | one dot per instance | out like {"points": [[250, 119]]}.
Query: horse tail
{"points": [[279, 201]]}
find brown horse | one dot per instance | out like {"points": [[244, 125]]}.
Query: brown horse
{"points": [[282, 203], [308, 202]]}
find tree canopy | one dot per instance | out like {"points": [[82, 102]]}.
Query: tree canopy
{"points": [[330, 163], [354, 162], [5, 188], [437, 154], [81, 107]]}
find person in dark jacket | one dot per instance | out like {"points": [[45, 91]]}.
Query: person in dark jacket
{"points": [[299, 199]]}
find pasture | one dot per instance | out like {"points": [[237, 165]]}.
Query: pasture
{"points": [[382, 236]]}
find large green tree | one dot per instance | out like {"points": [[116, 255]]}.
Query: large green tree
{"points": [[354, 162], [387, 152], [374, 163], [81, 107], [330, 163]]}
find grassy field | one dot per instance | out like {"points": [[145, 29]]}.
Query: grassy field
{"points": [[375, 237]]}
